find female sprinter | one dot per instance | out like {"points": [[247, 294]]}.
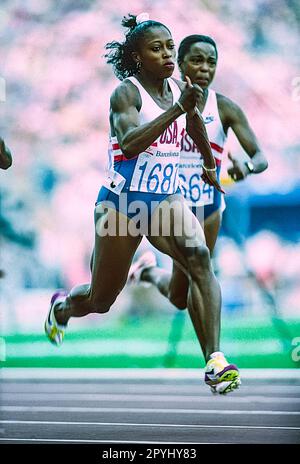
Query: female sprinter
{"points": [[146, 130], [197, 59]]}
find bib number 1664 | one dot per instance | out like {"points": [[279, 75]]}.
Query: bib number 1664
{"points": [[195, 190]]}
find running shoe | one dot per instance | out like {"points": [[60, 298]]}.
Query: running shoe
{"points": [[54, 331], [221, 376], [145, 261]]}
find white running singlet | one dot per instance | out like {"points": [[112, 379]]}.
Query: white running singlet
{"points": [[156, 169], [196, 192]]}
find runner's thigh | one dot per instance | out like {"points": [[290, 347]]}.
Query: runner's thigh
{"points": [[113, 253], [175, 230]]}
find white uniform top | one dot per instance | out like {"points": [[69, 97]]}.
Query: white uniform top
{"points": [[156, 169], [198, 193]]}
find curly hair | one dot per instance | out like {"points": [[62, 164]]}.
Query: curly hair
{"points": [[187, 42], [120, 53]]}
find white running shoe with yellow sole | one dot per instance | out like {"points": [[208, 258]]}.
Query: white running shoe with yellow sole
{"points": [[54, 331], [221, 376]]}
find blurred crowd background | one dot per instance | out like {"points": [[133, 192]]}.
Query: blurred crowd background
{"points": [[54, 118]]}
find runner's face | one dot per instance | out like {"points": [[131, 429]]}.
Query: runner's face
{"points": [[200, 64], [157, 52]]}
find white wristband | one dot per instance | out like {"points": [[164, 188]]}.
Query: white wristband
{"points": [[209, 169], [198, 112]]}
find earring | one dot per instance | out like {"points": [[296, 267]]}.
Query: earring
{"points": [[138, 66]]}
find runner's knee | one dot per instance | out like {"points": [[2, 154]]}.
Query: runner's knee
{"points": [[102, 305], [179, 301], [198, 260], [178, 298]]}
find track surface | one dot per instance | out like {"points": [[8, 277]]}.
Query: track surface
{"points": [[57, 407]]}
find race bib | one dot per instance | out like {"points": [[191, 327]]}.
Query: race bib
{"points": [[194, 189], [114, 182], [156, 173]]}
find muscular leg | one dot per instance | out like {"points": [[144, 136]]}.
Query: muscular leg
{"points": [[110, 263], [211, 229], [174, 285], [204, 296]]}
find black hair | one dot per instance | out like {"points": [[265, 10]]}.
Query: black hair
{"points": [[120, 54], [187, 42]]}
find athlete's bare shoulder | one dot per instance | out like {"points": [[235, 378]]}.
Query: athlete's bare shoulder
{"points": [[229, 110], [125, 95], [225, 103]]}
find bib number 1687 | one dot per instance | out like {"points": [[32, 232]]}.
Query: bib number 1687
{"points": [[158, 177]]}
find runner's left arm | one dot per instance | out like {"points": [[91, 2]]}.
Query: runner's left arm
{"points": [[195, 127], [235, 118], [5, 156]]}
